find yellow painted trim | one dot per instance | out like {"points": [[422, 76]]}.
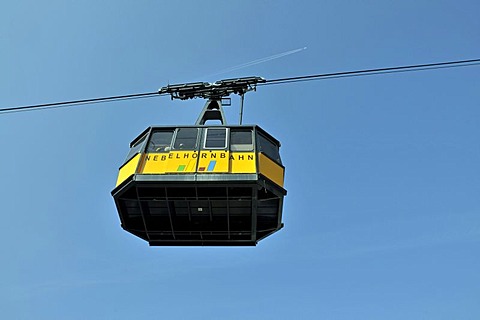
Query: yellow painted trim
{"points": [[271, 169], [243, 162], [213, 161], [128, 169], [180, 162]]}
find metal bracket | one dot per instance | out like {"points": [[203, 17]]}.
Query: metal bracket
{"points": [[212, 111]]}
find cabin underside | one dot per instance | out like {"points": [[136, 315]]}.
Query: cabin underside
{"points": [[200, 210]]}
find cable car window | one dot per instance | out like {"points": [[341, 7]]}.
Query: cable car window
{"points": [[186, 139], [216, 138], [160, 141], [241, 140], [268, 147], [136, 147]]}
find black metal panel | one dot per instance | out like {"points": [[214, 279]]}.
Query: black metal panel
{"points": [[199, 213]]}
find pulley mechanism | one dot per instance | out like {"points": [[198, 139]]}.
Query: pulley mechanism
{"points": [[214, 92]]}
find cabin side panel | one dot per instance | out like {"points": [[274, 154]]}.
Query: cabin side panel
{"points": [[271, 169], [128, 169]]}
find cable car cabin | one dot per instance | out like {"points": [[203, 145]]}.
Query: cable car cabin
{"points": [[201, 185]]}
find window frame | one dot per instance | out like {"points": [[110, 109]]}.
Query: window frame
{"points": [[139, 146], [227, 137], [259, 136], [169, 130], [251, 144], [175, 136]]}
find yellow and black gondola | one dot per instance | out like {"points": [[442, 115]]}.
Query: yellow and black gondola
{"points": [[205, 184]]}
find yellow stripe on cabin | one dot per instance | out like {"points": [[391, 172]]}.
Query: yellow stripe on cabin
{"points": [[178, 162], [243, 162], [128, 169], [270, 169]]}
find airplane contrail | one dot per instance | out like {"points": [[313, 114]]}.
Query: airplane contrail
{"points": [[258, 61]]}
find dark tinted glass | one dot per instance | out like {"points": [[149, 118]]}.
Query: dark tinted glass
{"points": [[186, 139], [268, 147], [160, 141], [136, 147], [216, 138], [241, 140]]}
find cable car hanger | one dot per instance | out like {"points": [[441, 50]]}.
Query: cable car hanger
{"points": [[216, 90], [215, 93]]}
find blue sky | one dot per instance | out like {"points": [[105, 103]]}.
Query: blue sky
{"points": [[382, 216]]}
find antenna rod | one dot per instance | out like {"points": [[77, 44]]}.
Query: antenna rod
{"points": [[242, 95]]}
